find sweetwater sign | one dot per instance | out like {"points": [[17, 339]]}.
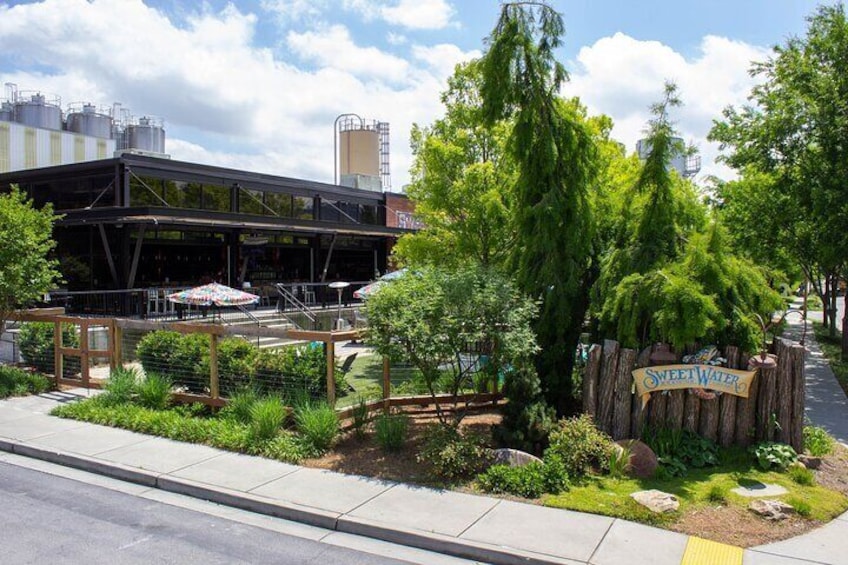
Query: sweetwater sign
{"points": [[671, 377]]}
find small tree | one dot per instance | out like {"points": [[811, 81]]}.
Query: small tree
{"points": [[439, 321], [26, 271]]}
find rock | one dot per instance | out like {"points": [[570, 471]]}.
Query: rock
{"points": [[810, 462], [774, 510], [797, 465], [756, 489], [514, 457], [656, 500], [643, 460]]}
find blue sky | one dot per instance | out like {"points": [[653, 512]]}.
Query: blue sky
{"points": [[257, 84]]}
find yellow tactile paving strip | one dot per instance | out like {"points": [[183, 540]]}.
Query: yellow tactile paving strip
{"points": [[705, 552]]}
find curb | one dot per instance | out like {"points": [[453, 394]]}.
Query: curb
{"points": [[429, 541]]}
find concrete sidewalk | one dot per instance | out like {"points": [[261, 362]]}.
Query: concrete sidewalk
{"points": [[486, 529]]}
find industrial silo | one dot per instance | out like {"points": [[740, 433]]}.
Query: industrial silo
{"points": [[363, 152], [146, 135], [38, 111], [86, 119], [7, 111]]}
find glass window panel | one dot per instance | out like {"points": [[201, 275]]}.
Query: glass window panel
{"points": [[216, 197]]}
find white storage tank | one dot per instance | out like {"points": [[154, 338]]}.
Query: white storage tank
{"points": [[146, 135], [86, 119], [38, 111]]}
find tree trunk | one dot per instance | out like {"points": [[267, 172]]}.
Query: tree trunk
{"points": [[623, 396], [834, 286], [784, 392], [590, 381], [845, 328], [727, 403]]}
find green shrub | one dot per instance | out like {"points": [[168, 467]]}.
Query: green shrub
{"points": [[717, 494], [801, 506], [771, 455], [236, 359], [240, 404], [802, 476], [290, 371], [619, 461], [817, 441], [527, 481], [360, 416], [15, 381], [579, 444], [154, 391], [390, 431], [120, 387], [318, 425], [37, 349], [678, 449], [452, 454], [266, 418], [176, 356]]}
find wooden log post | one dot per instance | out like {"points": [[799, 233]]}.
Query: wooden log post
{"points": [[727, 404], [675, 409], [784, 402], [214, 384], [746, 409], [590, 380], [691, 412], [623, 394], [708, 422], [799, 391], [606, 385], [117, 359], [85, 359], [657, 410], [766, 397], [637, 417], [331, 371]]}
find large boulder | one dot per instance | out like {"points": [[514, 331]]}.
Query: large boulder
{"points": [[514, 457], [773, 510], [643, 460], [656, 500]]}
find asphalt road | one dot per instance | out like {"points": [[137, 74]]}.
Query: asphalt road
{"points": [[51, 519]]}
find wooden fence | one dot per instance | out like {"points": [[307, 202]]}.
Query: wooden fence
{"points": [[773, 411]]}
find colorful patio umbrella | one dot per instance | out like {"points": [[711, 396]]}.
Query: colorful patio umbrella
{"points": [[370, 289], [213, 294]]}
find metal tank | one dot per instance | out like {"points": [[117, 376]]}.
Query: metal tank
{"points": [[86, 119], [147, 135], [359, 148], [39, 111], [7, 111]]}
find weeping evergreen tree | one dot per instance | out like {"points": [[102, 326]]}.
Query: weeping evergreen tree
{"points": [[557, 160]]}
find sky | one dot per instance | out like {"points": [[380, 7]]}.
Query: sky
{"points": [[257, 85]]}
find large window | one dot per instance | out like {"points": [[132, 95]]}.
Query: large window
{"points": [[216, 197]]}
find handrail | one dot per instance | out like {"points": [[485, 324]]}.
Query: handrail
{"points": [[295, 301]]}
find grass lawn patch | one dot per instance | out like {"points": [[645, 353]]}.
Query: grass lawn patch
{"points": [[365, 378], [832, 349]]}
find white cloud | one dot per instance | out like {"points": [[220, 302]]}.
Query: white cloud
{"points": [[621, 76], [294, 10], [395, 38], [411, 14], [444, 57], [419, 14], [334, 46], [225, 100]]}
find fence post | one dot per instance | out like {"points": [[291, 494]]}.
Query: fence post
{"points": [[606, 385], [727, 403], [387, 383], [84, 359], [57, 351], [214, 390], [331, 371], [590, 380], [117, 359], [796, 435], [623, 396]]}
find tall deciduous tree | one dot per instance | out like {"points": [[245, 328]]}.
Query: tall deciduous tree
{"points": [[26, 271], [461, 179], [557, 160], [796, 132]]}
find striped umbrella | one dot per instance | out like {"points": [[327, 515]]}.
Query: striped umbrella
{"points": [[370, 289], [213, 294]]}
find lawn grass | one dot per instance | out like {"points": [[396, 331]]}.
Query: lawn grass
{"points": [[832, 349], [365, 377], [698, 489]]}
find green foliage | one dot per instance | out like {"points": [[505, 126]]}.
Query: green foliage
{"points": [[802, 475], [679, 449], [240, 404], [293, 371], [452, 454], [360, 416], [318, 425], [15, 381], [176, 356], [527, 419], [27, 269], [771, 455], [527, 481], [120, 387], [183, 425], [580, 444], [390, 431], [817, 441], [154, 391], [434, 318], [37, 347], [236, 359], [801, 506], [267, 416], [717, 494], [619, 461], [555, 152]]}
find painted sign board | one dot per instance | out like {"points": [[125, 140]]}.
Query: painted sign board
{"points": [[671, 377]]}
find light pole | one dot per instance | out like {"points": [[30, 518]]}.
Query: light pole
{"points": [[339, 286]]}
